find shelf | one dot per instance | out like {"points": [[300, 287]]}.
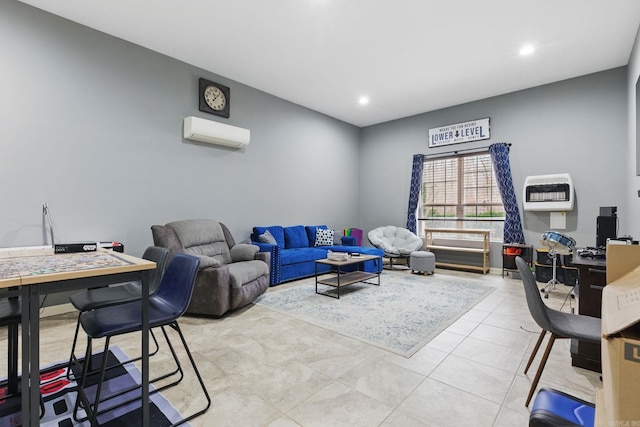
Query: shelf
{"points": [[445, 254], [463, 266], [456, 249], [347, 278]]}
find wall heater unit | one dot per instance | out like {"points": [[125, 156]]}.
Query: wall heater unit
{"points": [[548, 193]]}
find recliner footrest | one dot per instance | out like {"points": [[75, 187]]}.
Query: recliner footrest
{"points": [[553, 408]]}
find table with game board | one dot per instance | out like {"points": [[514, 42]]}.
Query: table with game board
{"points": [[28, 273]]}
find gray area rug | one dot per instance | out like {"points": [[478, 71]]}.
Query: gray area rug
{"points": [[402, 315]]}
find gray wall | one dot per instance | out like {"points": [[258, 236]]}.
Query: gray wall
{"points": [[633, 211], [93, 126], [576, 126]]}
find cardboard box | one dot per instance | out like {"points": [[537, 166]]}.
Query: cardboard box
{"points": [[621, 259], [601, 412], [621, 338]]}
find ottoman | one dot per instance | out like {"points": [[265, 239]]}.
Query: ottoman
{"points": [[422, 261]]}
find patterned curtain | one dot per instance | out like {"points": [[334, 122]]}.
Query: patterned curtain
{"points": [[512, 224], [414, 192]]}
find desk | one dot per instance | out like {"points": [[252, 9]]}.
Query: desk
{"points": [[39, 271], [591, 278]]}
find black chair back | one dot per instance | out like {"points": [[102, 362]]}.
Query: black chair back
{"points": [[176, 286], [159, 256]]}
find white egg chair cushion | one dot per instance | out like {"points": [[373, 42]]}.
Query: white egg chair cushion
{"points": [[395, 240]]}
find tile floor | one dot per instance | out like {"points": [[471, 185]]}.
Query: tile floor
{"points": [[265, 369]]}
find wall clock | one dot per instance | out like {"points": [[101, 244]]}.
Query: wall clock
{"points": [[214, 98]]}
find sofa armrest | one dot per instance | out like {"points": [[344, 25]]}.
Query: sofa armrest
{"points": [[274, 261], [212, 290], [207, 261], [264, 247], [349, 241], [243, 252], [264, 257]]}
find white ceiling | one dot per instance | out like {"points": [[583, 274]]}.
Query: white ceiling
{"points": [[407, 56]]}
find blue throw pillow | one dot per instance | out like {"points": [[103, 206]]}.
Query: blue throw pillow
{"points": [[295, 237], [311, 233]]}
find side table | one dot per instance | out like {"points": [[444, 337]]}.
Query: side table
{"points": [[512, 250]]}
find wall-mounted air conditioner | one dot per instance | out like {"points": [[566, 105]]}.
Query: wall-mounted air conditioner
{"points": [[548, 193], [202, 130]]}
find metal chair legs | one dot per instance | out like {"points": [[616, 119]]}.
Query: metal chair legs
{"points": [[75, 341], [93, 409]]}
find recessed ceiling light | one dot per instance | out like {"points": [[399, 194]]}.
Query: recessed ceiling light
{"points": [[363, 100], [527, 49]]}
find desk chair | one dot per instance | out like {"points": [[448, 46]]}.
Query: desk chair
{"points": [[560, 324], [166, 305], [92, 299]]}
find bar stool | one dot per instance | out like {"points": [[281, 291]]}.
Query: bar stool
{"points": [[92, 299], [166, 305]]}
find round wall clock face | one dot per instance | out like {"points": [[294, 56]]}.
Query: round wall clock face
{"points": [[215, 98]]}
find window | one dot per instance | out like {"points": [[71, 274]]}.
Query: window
{"points": [[461, 192]]}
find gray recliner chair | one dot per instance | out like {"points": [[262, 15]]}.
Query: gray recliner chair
{"points": [[230, 276]]}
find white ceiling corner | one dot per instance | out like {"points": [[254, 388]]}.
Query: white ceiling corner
{"points": [[407, 56]]}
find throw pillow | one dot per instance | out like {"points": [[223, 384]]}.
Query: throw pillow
{"points": [[337, 238], [324, 237], [295, 237], [267, 237], [311, 233]]}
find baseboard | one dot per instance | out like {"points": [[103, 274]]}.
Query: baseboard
{"points": [[56, 309]]}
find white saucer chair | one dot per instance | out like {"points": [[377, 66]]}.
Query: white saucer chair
{"points": [[396, 242]]}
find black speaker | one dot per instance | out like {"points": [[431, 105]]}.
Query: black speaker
{"points": [[606, 228], [608, 210]]}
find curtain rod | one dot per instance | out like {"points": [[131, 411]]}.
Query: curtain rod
{"points": [[453, 152]]}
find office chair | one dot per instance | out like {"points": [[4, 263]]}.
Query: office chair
{"points": [[166, 305], [118, 294], [559, 324]]}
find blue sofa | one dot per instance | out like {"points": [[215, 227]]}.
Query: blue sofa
{"points": [[294, 253]]}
